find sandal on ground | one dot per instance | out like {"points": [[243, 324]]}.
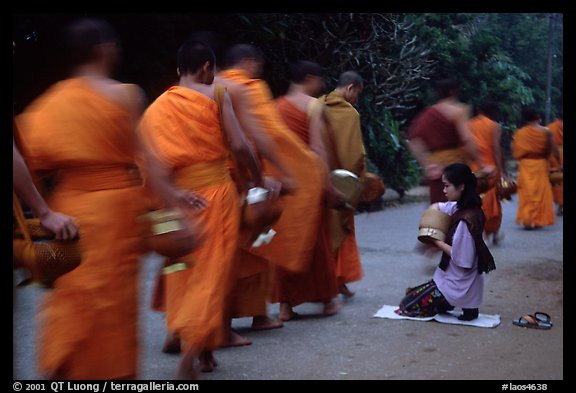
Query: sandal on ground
{"points": [[543, 317], [529, 321]]}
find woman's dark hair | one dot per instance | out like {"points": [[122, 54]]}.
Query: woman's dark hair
{"points": [[459, 174]]}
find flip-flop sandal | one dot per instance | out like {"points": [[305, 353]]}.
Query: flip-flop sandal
{"points": [[529, 321], [543, 317]]}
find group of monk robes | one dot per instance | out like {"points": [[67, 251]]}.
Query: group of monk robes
{"points": [[110, 160]]}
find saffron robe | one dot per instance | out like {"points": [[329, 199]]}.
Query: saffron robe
{"points": [[318, 282], [482, 130], [88, 322], [344, 141], [535, 200], [182, 128]]}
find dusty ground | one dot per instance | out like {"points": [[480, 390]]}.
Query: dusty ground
{"points": [[353, 345]]}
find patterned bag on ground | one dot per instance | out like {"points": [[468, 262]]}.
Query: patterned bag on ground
{"points": [[423, 301]]}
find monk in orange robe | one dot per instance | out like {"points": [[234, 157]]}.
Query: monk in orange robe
{"points": [[285, 157], [81, 130], [486, 134], [346, 151], [557, 128], [182, 131], [532, 146], [303, 114]]}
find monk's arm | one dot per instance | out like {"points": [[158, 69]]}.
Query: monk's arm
{"points": [[497, 148], [552, 148], [264, 144], [63, 226], [317, 131], [159, 179], [243, 152]]}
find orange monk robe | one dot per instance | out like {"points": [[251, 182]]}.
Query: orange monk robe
{"points": [[557, 128], [88, 322], [182, 128], [482, 130], [347, 151], [318, 283], [535, 201], [297, 227]]}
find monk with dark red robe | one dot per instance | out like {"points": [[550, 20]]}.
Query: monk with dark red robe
{"points": [[440, 136], [304, 115]]}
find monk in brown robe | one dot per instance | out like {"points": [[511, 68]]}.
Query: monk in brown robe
{"points": [[182, 131], [557, 128], [303, 114], [440, 136], [346, 151], [532, 146], [81, 131], [486, 134], [286, 158]]}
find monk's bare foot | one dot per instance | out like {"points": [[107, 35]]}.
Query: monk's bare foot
{"points": [[263, 322], [171, 344], [497, 238], [236, 340], [286, 312], [332, 307], [345, 291], [187, 368], [207, 362]]}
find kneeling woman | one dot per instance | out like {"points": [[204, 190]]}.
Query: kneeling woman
{"points": [[458, 280]]}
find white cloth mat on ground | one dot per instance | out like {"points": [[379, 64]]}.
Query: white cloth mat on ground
{"points": [[483, 320]]}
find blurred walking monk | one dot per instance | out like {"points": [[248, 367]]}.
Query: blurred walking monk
{"points": [[557, 128], [486, 134], [345, 151], [287, 160], [439, 136], [532, 146], [82, 131], [182, 131]]}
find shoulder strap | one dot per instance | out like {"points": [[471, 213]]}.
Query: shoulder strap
{"points": [[19, 213]]}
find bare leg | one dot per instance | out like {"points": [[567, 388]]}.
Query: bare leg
{"points": [[332, 306], [263, 322], [344, 290], [286, 312], [187, 368], [234, 339], [207, 361], [171, 344]]}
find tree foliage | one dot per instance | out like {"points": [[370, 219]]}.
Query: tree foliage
{"points": [[501, 56]]}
